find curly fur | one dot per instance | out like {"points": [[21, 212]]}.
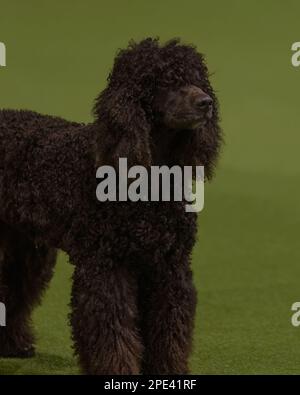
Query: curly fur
{"points": [[133, 299]]}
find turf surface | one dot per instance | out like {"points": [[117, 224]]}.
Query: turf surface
{"points": [[246, 263]]}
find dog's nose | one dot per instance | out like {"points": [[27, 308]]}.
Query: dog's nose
{"points": [[204, 103]]}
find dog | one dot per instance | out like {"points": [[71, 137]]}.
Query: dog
{"points": [[133, 299]]}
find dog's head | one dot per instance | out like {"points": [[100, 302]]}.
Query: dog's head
{"points": [[184, 108], [159, 103]]}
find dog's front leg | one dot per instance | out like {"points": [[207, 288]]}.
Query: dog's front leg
{"points": [[168, 318], [103, 319]]}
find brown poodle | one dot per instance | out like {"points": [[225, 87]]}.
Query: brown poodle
{"points": [[133, 299]]}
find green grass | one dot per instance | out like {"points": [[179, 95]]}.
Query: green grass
{"points": [[246, 262]]}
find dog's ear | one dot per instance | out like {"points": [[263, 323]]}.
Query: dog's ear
{"points": [[206, 142], [203, 147], [200, 147], [123, 129]]}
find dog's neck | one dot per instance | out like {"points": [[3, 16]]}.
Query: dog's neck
{"points": [[167, 144]]}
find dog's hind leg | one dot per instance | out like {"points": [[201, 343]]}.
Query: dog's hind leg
{"points": [[105, 318], [25, 271]]}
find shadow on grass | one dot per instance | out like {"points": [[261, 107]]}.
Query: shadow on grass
{"points": [[42, 363]]}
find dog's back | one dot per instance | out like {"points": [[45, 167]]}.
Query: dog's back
{"points": [[23, 131], [38, 154]]}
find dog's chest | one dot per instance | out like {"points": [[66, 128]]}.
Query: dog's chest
{"points": [[159, 226]]}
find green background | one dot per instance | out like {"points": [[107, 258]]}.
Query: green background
{"points": [[247, 260]]}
